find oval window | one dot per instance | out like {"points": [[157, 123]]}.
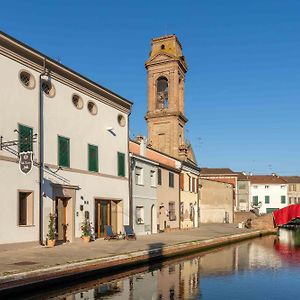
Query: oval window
{"points": [[92, 107], [27, 79], [48, 88], [121, 120], [77, 101]]}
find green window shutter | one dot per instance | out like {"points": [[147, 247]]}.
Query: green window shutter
{"points": [[63, 152], [282, 199], [93, 158], [255, 200], [121, 164], [267, 199], [25, 138]]}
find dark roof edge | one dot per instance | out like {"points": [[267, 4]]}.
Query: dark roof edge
{"points": [[49, 59]]}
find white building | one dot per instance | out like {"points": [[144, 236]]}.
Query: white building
{"points": [[82, 131], [268, 193]]}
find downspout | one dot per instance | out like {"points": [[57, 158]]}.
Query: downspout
{"points": [[41, 155], [129, 179]]}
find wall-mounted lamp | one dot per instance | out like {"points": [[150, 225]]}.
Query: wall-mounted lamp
{"points": [[111, 130]]}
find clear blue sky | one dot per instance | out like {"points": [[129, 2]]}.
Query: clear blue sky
{"points": [[243, 83]]}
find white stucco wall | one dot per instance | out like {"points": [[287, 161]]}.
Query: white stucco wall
{"points": [[20, 105], [275, 191]]}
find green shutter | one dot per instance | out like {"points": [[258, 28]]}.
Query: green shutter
{"points": [[255, 200], [282, 199], [25, 138], [93, 158], [63, 152], [267, 199], [121, 164]]}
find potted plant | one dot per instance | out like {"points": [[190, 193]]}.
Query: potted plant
{"points": [[86, 229], [51, 231]]}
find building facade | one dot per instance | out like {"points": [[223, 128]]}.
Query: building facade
{"points": [[216, 201], [144, 190], [77, 134], [243, 192], [293, 189], [268, 193], [189, 199]]}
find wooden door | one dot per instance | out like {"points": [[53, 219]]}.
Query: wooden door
{"points": [[103, 216]]}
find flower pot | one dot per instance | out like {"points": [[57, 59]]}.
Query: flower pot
{"points": [[86, 239], [51, 243]]}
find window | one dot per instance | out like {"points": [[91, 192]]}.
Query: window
{"points": [[63, 152], [282, 199], [77, 101], [121, 120], [162, 93], [27, 79], [171, 179], [290, 200], [92, 108], [121, 164], [48, 88], [172, 215], [266, 186], [242, 200], [93, 158], [153, 178], [294, 187], [181, 211], [242, 186], [25, 138], [139, 176], [140, 215], [255, 200], [25, 208], [267, 199], [255, 186], [282, 186], [159, 178]]}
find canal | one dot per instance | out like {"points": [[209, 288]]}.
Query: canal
{"points": [[262, 268]]}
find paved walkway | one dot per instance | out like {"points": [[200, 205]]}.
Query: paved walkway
{"points": [[16, 258]]}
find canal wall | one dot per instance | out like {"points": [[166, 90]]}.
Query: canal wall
{"points": [[52, 276]]}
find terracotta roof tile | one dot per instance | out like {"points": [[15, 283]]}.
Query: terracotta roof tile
{"points": [[266, 179]]}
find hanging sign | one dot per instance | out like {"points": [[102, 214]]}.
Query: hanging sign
{"points": [[26, 162]]}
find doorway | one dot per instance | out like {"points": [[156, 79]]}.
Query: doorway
{"points": [[62, 220], [162, 222], [153, 219]]}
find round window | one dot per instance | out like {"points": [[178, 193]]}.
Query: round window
{"points": [[92, 107], [77, 101], [48, 88], [27, 79], [121, 120]]}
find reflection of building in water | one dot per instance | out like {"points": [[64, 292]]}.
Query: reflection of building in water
{"points": [[289, 237], [168, 282]]}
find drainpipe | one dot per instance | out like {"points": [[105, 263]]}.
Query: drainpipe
{"points": [[129, 179], [41, 155]]}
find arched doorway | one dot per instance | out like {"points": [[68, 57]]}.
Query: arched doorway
{"points": [[153, 219]]}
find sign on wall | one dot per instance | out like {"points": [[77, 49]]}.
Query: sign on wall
{"points": [[26, 162]]}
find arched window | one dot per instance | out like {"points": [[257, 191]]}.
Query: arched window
{"points": [[162, 93]]}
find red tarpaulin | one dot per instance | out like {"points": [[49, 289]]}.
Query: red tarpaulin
{"points": [[287, 214]]}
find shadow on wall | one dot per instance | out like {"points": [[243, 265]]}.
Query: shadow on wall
{"points": [[155, 253]]}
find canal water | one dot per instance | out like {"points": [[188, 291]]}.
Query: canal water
{"points": [[263, 268]]}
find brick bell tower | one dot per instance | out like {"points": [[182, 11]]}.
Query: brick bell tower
{"points": [[166, 68]]}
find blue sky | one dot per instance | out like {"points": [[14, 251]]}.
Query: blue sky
{"points": [[243, 83]]}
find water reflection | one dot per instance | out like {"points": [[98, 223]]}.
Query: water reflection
{"points": [[200, 276]]}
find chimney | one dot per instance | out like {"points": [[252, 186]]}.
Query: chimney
{"points": [[143, 144]]}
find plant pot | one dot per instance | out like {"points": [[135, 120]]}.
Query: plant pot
{"points": [[51, 243], [86, 239]]}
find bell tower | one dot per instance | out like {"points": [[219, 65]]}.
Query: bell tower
{"points": [[166, 68]]}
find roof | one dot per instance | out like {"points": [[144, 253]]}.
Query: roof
{"points": [[266, 179], [241, 176], [291, 179], [216, 171], [22, 49]]}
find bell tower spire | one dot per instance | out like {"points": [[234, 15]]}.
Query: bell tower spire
{"points": [[166, 68]]}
